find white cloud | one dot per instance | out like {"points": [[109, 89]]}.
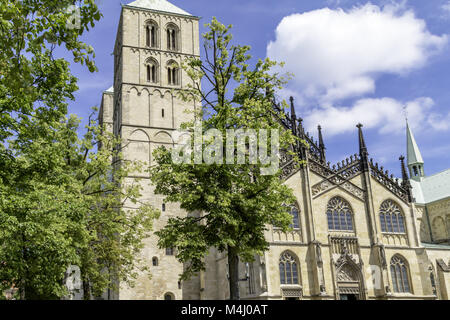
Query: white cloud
{"points": [[439, 122], [337, 54], [386, 114], [446, 9]]}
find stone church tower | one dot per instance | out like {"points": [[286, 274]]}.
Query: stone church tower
{"points": [[154, 37]]}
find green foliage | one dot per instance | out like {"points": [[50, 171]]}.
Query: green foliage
{"points": [[61, 204], [61, 196], [30, 76], [230, 206]]}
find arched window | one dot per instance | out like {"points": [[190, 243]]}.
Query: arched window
{"points": [[169, 296], [391, 218], [399, 274], [172, 37], [438, 229], [172, 73], [151, 34], [169, 251], [339, 215], [155, 261], [295, 219], [288, 269], [152, 70]]}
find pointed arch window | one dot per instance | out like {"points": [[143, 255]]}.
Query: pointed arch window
{"points": [[288, 269], [152, 70], [391, 218], [173, 73], [400, 275], [339, 215], [295, 218], [151, 34]]}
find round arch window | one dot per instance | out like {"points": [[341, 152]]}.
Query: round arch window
{"points": [[169, 296]]}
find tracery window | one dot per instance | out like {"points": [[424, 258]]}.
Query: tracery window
{"points": [[288, 269], [339, 215], [391, 218], [399, 274]]}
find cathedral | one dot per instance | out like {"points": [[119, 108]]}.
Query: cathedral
{"points": [[358, 233]]}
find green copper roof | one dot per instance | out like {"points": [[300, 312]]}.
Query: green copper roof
{"points": [[432, 188], [435, 246], [414, 155], [158, 5]]}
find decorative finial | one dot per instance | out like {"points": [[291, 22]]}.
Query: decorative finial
{"points": [[363, 149], [406, 184], [293, 117], [292, 109]]}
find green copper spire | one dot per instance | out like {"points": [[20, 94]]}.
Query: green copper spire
{"points": [[415, 161]]}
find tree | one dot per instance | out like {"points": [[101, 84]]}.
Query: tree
{"points": [[234, 203], [61, 197], [63, 204], [33, 83]]}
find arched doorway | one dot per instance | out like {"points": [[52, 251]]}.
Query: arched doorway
{"points": [[348, 280]]}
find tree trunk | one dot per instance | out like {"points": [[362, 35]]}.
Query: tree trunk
{"points": [[86, 290], [233, 271], [22, 290]]}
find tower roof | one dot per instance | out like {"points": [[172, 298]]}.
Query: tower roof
{"points": [[158, 5], [413, 151]]}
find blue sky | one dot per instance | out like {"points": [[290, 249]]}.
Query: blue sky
{"points": [[354, 61]]}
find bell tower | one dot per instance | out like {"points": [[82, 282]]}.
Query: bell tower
{"points": [[154, 38]]}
